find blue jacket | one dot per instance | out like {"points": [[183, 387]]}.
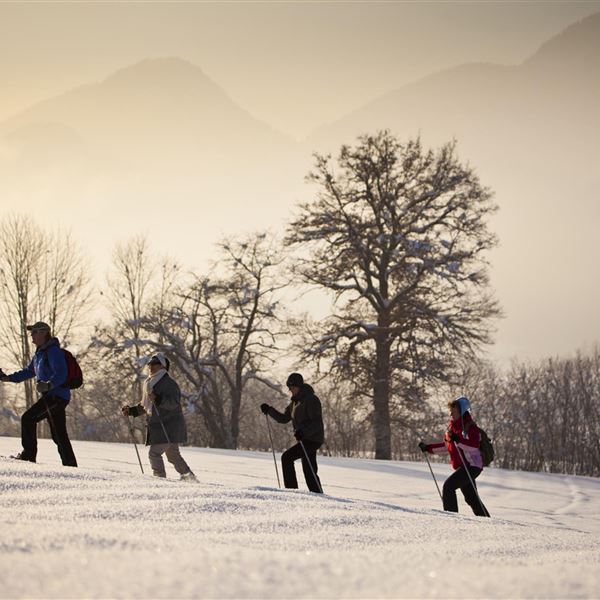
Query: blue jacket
{"points": [[48, 364]]}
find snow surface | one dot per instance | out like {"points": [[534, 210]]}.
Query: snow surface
{"points": [[107, 531]]}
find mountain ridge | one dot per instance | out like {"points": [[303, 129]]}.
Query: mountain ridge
{"points": [[185, 147], [466, 72]]}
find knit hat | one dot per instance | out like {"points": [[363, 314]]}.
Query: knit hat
{"points": [[463, 404], [160, 358], [294, 380]]}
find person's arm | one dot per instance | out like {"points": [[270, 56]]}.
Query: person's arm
{"points": [[284, 417], [133, 411], [19, 376], [437, 448]]}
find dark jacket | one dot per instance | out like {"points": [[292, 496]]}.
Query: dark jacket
{"points": [[48, 364], [304, 411], [167, 405]]}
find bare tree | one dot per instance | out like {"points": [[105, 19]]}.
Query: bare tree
{"points": [[137, 281], [222, 333], [398, 235], [541, 416], [43, 276], [129, 296]]}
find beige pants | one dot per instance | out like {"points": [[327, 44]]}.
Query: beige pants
{"points": [[173, 456]]}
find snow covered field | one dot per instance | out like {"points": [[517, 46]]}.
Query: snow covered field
{"points": [[106, 531]]}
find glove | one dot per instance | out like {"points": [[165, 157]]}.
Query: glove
{"points": [[423, 446], [125, 410], [43, 386], [264, 407], [299, 435], [451, 436]]}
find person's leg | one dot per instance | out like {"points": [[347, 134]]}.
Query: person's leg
{"points": [[471, 496], [455, 481], [29, 420], [175, 458], [58, 428], [311, 450], [156, 460], [287, 465]]}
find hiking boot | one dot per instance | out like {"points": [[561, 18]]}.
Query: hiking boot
{"points": [[22, 456], [160, 474], [189, 477]]}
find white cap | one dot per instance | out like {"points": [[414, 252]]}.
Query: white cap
{"points": [[159, 357]]}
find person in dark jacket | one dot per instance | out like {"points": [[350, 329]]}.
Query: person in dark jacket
{"points": [[49, 367], [462, 441], [161, 402], [304, 411]]}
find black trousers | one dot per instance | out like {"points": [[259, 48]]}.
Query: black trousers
{"points": [[460, 479], [289, 472], [53, 409]]}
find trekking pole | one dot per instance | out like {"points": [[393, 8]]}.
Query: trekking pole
{"points": [[434, 479], [132, 434], [466, 468], [311, 467], [273, 450]]}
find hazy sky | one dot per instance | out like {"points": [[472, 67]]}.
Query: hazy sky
{"points": [[295, 65], [292, 64]]}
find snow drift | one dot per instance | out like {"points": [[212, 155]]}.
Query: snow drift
{"points": [[107, 531]]}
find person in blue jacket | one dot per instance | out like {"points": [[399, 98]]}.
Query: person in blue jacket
{"points": [[49, 367]]}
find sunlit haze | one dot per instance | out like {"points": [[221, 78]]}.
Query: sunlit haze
{"points": [[190, 121]]}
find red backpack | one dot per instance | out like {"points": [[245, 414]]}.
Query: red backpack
{"points": [[74, 374]]}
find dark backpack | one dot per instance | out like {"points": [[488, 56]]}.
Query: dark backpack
{"points": [[74, 374], [485, 446]]}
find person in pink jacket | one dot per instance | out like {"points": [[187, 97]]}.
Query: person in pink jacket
{"points": [[461, 440]]}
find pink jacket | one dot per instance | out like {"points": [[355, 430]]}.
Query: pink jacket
{"points": [[468, 443]]}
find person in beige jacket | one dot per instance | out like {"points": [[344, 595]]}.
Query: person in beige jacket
{"points": [[161, 403]]}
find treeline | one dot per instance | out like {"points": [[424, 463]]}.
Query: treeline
{"points": [[543, 416], [396, 237]]}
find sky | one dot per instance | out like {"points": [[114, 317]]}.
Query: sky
{"points": [[295, 65]]}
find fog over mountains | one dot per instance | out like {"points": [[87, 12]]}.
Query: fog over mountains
{"points": [[157, 144], [532, 132], [160, 148]]}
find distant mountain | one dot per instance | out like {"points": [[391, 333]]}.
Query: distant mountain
{"points": [[578, 46], [162, 101], [158, 147], [485, 102], [158, 136], [532, 131]]}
